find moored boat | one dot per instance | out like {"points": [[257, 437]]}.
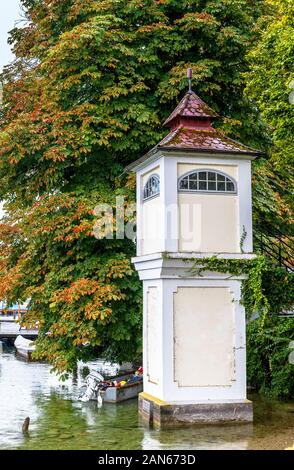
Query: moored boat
{"points": [[116, 390], [24, 347]]}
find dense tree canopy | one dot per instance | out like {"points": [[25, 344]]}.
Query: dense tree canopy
{"points": [[270, 84], [92, 82], [95, 79], [271, 80]]}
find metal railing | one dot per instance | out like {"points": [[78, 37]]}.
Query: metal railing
{"points": [[278, 247]]}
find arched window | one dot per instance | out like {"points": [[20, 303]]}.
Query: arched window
{"points": [[152, 187], [209, 181]]}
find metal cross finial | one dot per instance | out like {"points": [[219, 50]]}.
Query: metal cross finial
{"points": [[190, 76]]}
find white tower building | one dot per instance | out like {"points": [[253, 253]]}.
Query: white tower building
{"points": [[193, 201]]}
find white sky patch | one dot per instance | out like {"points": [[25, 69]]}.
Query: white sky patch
{"points": [[10, 14]]}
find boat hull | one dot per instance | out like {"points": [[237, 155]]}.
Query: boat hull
{"points": [[119, 394], [24, 354], [24, 348]]}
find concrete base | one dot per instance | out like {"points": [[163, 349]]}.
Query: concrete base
{"points": [[160, 414]]}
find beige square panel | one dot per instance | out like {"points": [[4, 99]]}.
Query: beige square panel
{"points": [[204, 336], [208, 223], [153, 332]]}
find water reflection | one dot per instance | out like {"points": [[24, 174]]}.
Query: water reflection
{"points": [[201, 438], [58, 421]]}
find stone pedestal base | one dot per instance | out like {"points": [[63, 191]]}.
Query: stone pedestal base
{"points": [[160, 414]]}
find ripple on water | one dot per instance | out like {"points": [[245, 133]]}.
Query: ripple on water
{"points": [[60, 422]]}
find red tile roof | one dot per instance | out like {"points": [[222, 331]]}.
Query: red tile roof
{"points": [[203, 139], [191, 106]]}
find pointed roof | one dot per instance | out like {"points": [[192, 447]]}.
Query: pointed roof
{"points": [[191, 130], [191, 106]]}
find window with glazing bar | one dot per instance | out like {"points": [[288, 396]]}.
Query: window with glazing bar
{"points": [[152, 187], [207, 181]]}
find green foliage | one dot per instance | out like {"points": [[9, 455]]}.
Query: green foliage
{"points": [[279, 288], [269, 84], [272, 212], [272, 65], [268, 367]]}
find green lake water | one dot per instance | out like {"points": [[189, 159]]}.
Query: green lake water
{"points": [[59, 421]]}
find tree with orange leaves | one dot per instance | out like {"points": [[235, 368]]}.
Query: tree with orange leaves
{"points": [[91, 84]]}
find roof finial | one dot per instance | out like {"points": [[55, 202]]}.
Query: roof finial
{"points": [[190, 76]]}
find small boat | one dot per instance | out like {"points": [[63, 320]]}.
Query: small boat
{"points": [[24, 347], [116, 390]]}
